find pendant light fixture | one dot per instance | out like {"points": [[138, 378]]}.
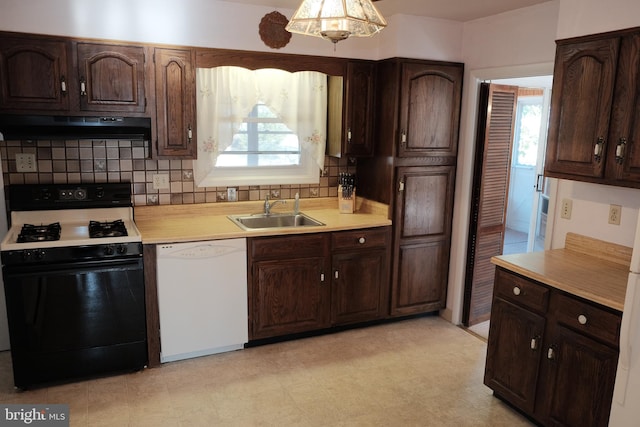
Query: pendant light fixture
{"points": [[336, 20]]}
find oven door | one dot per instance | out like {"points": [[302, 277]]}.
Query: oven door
{"points": [[75, 319]]}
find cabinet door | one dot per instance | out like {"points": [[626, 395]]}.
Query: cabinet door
{"points": [[111, 78], [175, 103], [429, 109], [359, 108], [34, 74], [289, 296], [580, 382], [358, 284], [583, 84], [514, 350], [422, 230], [623, 155]]}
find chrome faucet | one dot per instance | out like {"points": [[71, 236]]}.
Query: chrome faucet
{"points": [[268, 206]]}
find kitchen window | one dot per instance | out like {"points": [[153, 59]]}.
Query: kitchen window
{"points": [[260, 127], [262, 140]]}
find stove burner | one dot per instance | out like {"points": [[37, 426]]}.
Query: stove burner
{"points": [[39, 233], [107, 229]]}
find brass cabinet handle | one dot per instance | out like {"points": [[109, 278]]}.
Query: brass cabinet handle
{"points": [[620, 150], [83, 86], [534, 342], [598, 149]]}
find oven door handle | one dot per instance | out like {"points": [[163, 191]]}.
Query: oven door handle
{"points": [[74, 267]]}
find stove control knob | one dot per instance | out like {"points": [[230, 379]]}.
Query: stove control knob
{"points": [[122, 249], [26, 255], [109, 250], [38, 254]]}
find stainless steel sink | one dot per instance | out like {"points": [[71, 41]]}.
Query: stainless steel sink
{"points": [[274, 220]]}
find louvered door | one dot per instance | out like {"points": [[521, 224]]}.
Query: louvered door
{"points": [[496, 123]]}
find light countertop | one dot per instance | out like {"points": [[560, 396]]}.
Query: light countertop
{"points": [[208, 221], [599, 275]]}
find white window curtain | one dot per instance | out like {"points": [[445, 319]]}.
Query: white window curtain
{"points": [[226, 96]]}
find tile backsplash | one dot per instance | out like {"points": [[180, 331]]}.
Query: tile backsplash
{"points": [[84, 161]]}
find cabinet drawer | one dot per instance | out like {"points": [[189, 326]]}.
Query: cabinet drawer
{"points": [[300, 246], [360, 239], [588, 319], [521, 291]]}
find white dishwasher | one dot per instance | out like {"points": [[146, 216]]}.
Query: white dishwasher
{"points": [[202, 298]]}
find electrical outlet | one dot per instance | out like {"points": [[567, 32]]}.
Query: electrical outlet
{"points": [[232, 195], [161, 181], [615, 212], [565, 211], [26, 162]]}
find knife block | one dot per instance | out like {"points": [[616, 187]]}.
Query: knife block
{"points": [[346, 205]]}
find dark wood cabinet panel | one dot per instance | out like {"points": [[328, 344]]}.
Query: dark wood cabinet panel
{"points": [[358, 285], [422, 233], [430, 109], [351, 110], [595, 114], [316, 281], [359, 108], [419, 282], [289, 288], [360, 265], [111, 77], [175, 103], [513, 353], [550, 354], [34, 74], [580, 382], [582, 94], [289, 297], [624, 136], [413, 170]]}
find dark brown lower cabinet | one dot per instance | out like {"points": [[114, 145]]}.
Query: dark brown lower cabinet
{"points": [[360, 260], [422, 237], [315, 281], [551, 355]]}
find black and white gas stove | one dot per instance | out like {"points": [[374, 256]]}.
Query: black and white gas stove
{"points": [[73, 273]]}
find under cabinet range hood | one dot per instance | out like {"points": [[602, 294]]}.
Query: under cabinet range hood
{"points": [[21, 127]]}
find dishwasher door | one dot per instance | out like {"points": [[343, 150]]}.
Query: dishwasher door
{"points": [[202, 297]]}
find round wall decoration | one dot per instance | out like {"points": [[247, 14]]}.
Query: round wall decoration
{"points": [[272, 32]]}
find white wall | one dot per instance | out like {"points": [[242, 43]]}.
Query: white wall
{"points": [[582, 17], [523, 36], [220, 24]]}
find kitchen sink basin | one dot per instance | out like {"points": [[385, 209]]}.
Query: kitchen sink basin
{"points": [[274, 220]]}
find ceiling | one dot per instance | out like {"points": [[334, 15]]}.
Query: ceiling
{"points": [[455, 10]]}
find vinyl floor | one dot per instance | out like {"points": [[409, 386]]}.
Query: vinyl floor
{"points": [[417, 372]]}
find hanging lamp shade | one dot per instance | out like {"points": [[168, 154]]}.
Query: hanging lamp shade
{"points": [[336, 20]]}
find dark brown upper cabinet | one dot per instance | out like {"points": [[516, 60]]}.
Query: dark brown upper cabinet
{"points": [[34, 74], [594, 128], [49, 74], [175, 103], [351, 111], [111, 77], [430, 97]]}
